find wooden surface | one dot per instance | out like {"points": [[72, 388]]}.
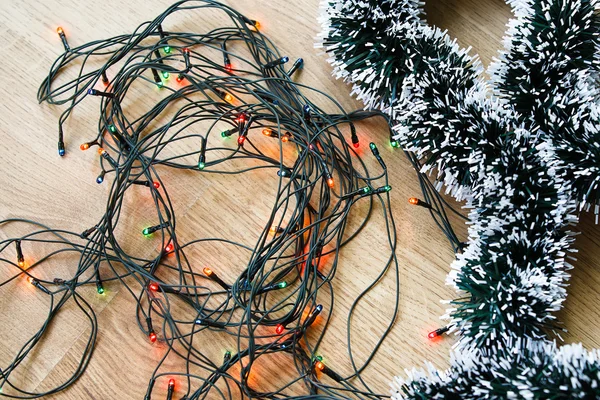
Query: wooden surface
{"points": [[36, 184]]}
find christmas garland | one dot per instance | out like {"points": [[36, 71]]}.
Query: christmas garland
{"points": [[523, 152]]}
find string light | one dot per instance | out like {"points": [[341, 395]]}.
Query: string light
{"points": [[275, 63], [99, 287], [105, 80], [20, 258], [63, 38], [438, 332], [330, 181], [298, 64], [94, 92], [417, 202], [100, 177], [314, 314], [151, 229], [265, 99], [170, 389], [215, 278], [227, 133]]}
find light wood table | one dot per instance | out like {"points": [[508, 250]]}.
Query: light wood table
{"points": [[37, 184]]}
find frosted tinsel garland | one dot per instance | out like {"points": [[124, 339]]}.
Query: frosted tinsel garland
{"points": [[523, 153]]}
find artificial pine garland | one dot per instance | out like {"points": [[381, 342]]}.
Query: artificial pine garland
{"points": [[523, 153]]}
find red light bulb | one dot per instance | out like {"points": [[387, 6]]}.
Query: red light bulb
{"points": [[152, 337], [228, 67], [279, 329], [169, 248], [438, 332], [156, 185], [241, 140], [356, 145], [153, 286], [171, 383]]}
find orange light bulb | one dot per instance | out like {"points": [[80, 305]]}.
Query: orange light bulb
{"points": [[257, 24], [84, 146], [319, 365], [267, 132], [60, 30], [30, 279], [207, 271], [100, 150], [414, 201], [21, 264], [330, 182], [228, 98]]}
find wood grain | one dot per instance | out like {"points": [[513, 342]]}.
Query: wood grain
{"points": [[37, 184]]}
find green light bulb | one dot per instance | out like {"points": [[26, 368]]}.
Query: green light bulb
{"points": [[167, 49], [112, 128], [160, 85], [100, 290], [319, 358], [165, 75], [366, 189], [395, 144], [372, 146], [146, 231], [224, 134], [201, 165], [387, 188], [282, 284]]}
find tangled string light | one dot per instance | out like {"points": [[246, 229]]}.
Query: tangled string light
{"points": [[228, 94], [524, 154]]}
